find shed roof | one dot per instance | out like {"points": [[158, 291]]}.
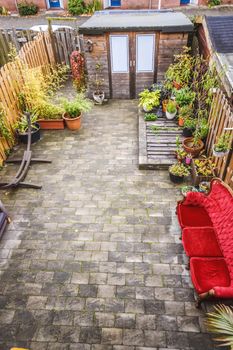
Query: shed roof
{"points": [[110, 21], [221, 32]]}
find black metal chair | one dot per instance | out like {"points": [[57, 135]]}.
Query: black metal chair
{"points": [[25, 162]]}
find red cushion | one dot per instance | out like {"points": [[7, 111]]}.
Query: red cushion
{"points": [[193, 216], [200, 241], [207, 273]]}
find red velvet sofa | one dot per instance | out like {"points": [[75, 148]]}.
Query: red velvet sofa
{"points": [[207, 235]]}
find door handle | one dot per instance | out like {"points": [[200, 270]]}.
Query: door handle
{"points": [[130, 63]]}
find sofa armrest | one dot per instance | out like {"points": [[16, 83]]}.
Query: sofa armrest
{"points": [[223, 292], [194, 199]]}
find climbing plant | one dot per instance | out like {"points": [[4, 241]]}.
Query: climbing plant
{"points": [[78, 70]]}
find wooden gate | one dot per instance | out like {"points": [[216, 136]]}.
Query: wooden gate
{"points": [[221, 121]]}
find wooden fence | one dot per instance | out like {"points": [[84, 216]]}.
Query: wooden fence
{"points": [[220, 121], [17, 37], [65, 41], [36, 53]]}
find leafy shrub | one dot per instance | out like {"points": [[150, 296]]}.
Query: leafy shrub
{"points": [[74, 107], [3, 11], [27, 8], [92, 6], [76, 7], [212, 3], [77, 63]]}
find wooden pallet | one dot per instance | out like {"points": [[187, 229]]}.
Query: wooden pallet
{"points": [[157, 149]]}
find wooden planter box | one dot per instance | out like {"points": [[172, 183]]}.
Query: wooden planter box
{"points": [[199, 178], [53, 124]]}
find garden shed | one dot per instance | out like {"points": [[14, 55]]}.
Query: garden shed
{"points": [[132, 49]]}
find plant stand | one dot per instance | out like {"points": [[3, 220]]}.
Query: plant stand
{"points": [[24, 165]]}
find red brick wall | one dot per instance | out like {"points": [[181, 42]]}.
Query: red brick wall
{"points": [[10, 4]]}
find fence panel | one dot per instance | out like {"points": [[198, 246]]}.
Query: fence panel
{"points": [[221, 121], [36, 53]]}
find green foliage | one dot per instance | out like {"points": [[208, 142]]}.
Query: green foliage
{"points": [[37, 90], [181, 70], [3, 11], [205, 166], [74, 108], [223, 143], [220, 322], [203, 126], [76, 7], [190, 123], [150, 117], [186, 112], [48, 111], [22, 123], [149, 99], [92, 6], [171, 107], [4, 130], [179, 169], [27, 8], [184, 96], [212, 3], [12, 53]]}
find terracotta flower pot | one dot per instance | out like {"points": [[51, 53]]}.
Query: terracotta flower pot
{"points": [[176, 85], [164, 104], [51, 124], [72, 123], [189, 147], [181, 121]]}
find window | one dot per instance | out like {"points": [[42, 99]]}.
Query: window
{"points": [[145, 52], [119, 53]]}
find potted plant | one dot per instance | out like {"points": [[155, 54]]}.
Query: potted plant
{"points": [[221, 148], [179, 74], [203, 169], [164, 94], [50, 116], [171, 110], [193, 145], [188, 159], [180, 153], [184, 113], [149, 100], [74, 109], [177, 172], [220, 322], [203, 129], [149, 117], [184, 97], [189, 127], [98, 94], [21, 128]]}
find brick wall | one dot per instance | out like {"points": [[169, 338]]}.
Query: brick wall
{"points": [[146, 4], [10, 4]]}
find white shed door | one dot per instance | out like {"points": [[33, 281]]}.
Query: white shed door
{"points": [[145, 52], [119, 45]]}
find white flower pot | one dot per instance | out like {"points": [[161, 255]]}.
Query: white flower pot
{"points": [[145, 109], [220, 154], [170, 116], [99, 98]]}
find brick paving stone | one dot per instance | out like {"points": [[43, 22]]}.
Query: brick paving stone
{"points": [[93, 261]]}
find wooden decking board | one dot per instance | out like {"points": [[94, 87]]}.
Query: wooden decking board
{"points": [[157, 149]]}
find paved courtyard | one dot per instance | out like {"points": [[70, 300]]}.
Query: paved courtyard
{"points": [[93, 261]]}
